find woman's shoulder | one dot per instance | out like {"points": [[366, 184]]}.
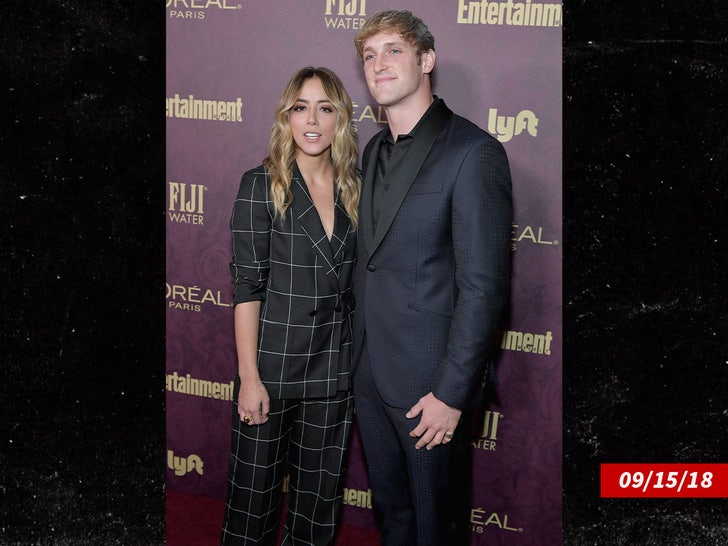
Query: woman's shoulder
{"points": [[257, 172], [254, 180]]}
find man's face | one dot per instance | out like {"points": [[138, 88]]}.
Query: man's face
{"points": [[393, 70]]}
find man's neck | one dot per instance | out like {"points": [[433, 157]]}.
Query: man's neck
{"points": [[402, 118]]}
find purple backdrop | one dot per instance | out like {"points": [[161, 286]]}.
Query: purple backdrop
{"points": [[499, 64]]}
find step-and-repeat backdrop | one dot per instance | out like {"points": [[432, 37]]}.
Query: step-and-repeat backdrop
{"points": [[498, 64]]}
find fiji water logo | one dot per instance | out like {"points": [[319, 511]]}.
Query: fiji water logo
{"points": [[488, 436], [345, 14], [186, 203]]}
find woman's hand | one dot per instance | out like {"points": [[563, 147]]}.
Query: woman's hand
{"points": [[253, 402]]}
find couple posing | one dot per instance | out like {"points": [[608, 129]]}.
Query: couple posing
{"points": [[383, 293]]}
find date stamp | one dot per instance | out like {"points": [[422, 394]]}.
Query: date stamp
{"points": [[678, 480]]}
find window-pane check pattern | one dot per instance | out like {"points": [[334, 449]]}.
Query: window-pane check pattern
{"points": [[303, 280]]}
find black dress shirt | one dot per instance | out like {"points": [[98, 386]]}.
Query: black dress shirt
{"points": [[391, 154]]}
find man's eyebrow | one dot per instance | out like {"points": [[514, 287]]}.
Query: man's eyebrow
{"points": [[386, 44]]}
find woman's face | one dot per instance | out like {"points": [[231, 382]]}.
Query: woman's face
{"points": [[313, 119]]}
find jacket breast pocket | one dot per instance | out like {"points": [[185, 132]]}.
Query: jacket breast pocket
{"points": [[426, 186]]}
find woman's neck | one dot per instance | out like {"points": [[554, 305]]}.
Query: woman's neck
{"points": [[316, 170]]}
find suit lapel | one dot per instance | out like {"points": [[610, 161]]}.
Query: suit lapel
{"points": [[342, 227], [305, 213], [370, 169], [404, 173]]}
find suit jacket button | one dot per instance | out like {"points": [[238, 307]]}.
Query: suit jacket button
{"points": [[312, 313], [371, 267], [337, 308]]}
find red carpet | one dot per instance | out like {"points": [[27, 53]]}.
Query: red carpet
{"points": [[193, 520]]}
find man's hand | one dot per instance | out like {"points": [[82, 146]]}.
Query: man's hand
{"points": [[437, 424]]}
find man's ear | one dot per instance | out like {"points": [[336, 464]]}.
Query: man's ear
{"points": [[428, 61]]}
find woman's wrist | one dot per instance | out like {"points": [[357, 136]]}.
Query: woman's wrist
{"points": [[249, 376]]}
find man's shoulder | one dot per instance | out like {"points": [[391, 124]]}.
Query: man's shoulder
{"points": [[460, 130], [465, 126], [457, 121]]}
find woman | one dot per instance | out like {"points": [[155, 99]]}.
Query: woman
{"points": [[293, 228]]}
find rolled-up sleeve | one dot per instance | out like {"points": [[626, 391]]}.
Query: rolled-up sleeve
{"points": [[250, 225]]}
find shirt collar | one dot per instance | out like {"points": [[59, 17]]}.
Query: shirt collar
{"points": [[436, 104]]}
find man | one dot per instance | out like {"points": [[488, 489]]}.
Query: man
{"points": [[431, 283]]}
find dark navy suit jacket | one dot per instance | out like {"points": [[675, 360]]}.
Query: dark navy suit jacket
{"points": [[432, 281]]}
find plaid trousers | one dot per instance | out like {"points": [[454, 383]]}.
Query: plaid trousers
{"points": [[307, 438]]}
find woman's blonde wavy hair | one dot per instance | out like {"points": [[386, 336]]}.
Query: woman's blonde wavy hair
{"points": [[344, 151]]}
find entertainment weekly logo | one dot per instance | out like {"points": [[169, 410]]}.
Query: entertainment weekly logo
{"points": [[510, 13], [196, 10]]}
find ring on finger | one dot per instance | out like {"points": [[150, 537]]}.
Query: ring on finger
{"points": [[448, 436], [248, 419]]}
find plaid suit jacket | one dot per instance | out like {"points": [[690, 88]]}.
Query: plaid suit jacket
{"points": [[304, 283]]}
